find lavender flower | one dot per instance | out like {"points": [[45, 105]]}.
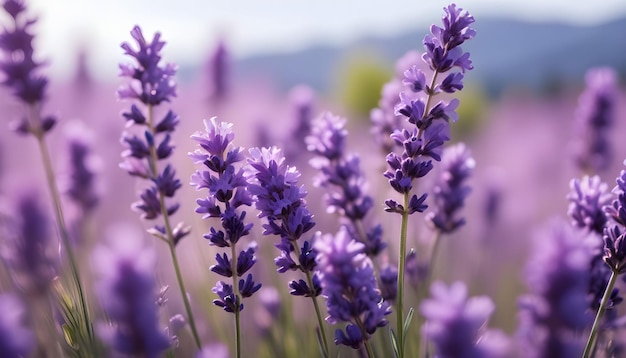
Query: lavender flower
{"points": [[29, 252], [594, 118], [218, 68], [348, 283], [16, 339], [301, 103], [151, 84], [81, 185], [127, 290], [451, 190], [614, 235], [456, 324], [279, 199], [342, 173], [426, 131], [17, 63], [228, 192], [588, 197], [557, 306]]}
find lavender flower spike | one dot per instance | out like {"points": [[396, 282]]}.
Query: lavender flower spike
{"points": [[151, 83], [451, 191], [349, 285], [594, 118], [456, 324], [342, 174], [279, 199], [227, 195], [16, 340], [30, 253], [127, 290]]}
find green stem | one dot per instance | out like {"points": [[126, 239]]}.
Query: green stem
{"points": [[596, 322], [401, 269], [233, 263], [58, 210], [153, 162], [318, 312]]}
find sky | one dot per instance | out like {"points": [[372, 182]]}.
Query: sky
{"points": [[192, 27]]}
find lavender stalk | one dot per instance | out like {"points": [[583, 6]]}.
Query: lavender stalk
{"points": [[151, 84], [227, 194], [430, 128], [19, 69]]}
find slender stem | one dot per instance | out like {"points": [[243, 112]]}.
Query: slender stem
{"points": [[233, 263], [58, 210], [596, 322], [318, 312], [401, 269], [153, 162]]}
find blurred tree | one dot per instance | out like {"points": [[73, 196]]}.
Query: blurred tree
{"points": [[359, 79]]}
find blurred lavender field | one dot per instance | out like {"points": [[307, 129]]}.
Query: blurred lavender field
{"points": [[523, 131]]}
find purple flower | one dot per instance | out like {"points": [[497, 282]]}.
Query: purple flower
{"points": [[127, 290], [218, 68], [614, 241], [20, 69], [279, 199], [81, 182], [17, 61], [28, 251], [151, 84], [456, 323], [450, 192], [349, 285], [16, 339], [228, 192], [342, 174], [587, 197], [556, 308], [594, 118]]}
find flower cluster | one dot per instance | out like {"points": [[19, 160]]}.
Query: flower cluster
{"points": [[451, 190], [227, 188], [280, 200], [615, 235], [28, 251], [348, 283], [557, 306], [151, 84], [20, 68], [456, 324], [342, 173], [127, 290], [423, 142], [594, 118], [588, 198]]}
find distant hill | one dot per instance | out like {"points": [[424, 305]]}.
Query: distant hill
{"points": [[505, 53]]}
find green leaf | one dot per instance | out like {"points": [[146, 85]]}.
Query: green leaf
{"points": [[394, 343], [407, 323], [320, 345]]}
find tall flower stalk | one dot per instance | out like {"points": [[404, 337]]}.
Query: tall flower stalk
{"points": [[349, 285], [152, 84], [423, 141], [341, 175], [614, 253], [20, 71], [227, 194], [274, 186]]}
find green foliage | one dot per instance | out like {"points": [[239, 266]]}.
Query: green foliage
{"points": [[474, 103], [359, 80]]}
